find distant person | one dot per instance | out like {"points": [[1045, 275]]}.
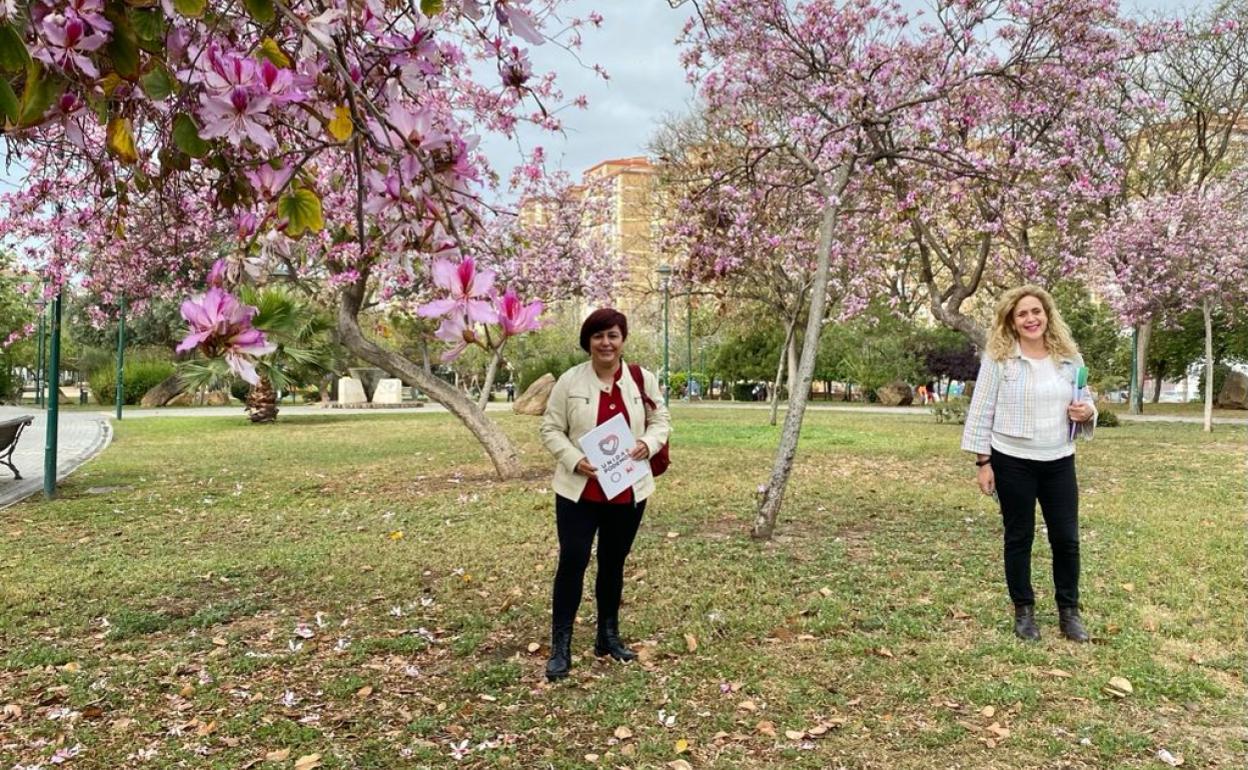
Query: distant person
{"points": [[921, 394], [933, 391], [510, 388], [584, 397], [1019, 428]]}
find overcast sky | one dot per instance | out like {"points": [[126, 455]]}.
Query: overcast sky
{"points": [[635, 46]]}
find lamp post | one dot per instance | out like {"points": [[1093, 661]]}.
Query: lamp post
{"points": [[689, 343], [40, 303], [665, 275], [121, 354], [54, 399]]}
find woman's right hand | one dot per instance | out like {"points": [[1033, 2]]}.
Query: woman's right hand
{"points": [[585, 469], [987, 481]]}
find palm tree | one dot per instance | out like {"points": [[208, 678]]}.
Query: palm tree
{"points": [[302, 333]]}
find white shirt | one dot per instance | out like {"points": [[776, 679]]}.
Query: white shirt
{"points": [[1051, 394]]}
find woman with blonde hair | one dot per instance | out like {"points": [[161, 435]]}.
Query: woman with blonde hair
{"points": [[1021, 426]]}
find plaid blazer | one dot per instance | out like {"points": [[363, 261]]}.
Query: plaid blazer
{"points": [[1003, 401]]}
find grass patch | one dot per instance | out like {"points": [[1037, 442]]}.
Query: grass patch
{"points": [[359, 586]]}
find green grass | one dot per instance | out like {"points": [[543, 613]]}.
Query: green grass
{"points": [[161, 617]]}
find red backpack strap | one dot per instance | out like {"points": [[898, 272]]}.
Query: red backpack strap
{"points": [[635, 371]]}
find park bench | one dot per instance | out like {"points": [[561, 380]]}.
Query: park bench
{"points": [[10, 432]]}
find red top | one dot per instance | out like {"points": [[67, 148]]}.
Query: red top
{"points": [[608, 407]]}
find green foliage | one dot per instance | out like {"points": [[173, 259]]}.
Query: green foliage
{"points": [[678, 382], [1220, 373], [1097, 332], [139, 377], [1106, 419], [751, 354], [532, 370], [302, 211], [952, 410]]}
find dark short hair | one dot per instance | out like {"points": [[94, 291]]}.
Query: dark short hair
{"points": [[600, 320]]}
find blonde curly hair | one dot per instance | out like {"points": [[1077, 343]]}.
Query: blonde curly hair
{"points": [[1002, 337]]}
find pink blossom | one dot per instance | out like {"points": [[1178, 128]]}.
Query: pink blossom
{"points": [[455, 332], [515, 317], [236, 116], [269, 181], [221, 326], [68, 39], [466, 285]]}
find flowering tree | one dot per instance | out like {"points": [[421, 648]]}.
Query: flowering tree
{"points": [[1171, 253], [328, 142], [989, 98]]}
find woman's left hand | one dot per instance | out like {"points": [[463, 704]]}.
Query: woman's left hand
{"points": [[1080, 411], [640, 452]]}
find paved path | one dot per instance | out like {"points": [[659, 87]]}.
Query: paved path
{"points": [[81, 436]]}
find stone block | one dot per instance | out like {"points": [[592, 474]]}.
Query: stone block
{"points": [[389, 391], [350, 391]]}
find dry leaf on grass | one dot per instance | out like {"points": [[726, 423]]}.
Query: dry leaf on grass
{"points": [[988, 712], [591, 758], [691, 643], [766, 727], [364, 691], [623, 733], [747, 705], [1119, 687], [280, 755], [1057, 672], [308, 762], [681, 746], [1172, 760], [795, 735], [884, 652], [679, 764]]}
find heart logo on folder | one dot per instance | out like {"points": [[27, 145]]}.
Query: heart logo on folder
{"points": [[609, 444]]}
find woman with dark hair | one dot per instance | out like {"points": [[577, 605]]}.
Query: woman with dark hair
{"points": [[586, 396]]}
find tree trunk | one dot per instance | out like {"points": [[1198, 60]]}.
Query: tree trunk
{"points": [[792, 357], [1158, 376], [490, 373], [262, 402], [1141, 367], [501, 450], [1208, 366], [786, 353], [773, 493]]}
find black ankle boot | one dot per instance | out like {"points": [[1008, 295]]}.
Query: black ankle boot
{"points": [[1025, 622], [608, 642], [560, 653], [1071, 624]]}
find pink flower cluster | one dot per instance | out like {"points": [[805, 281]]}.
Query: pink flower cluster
{"points": [[472, 299], [221, 326]]}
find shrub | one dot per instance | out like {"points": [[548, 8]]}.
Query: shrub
{"points": [[140, 377], [1107, 419], [532, 369], [950, 410]]}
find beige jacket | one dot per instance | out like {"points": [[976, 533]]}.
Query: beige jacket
{"points": [[572, 411]]}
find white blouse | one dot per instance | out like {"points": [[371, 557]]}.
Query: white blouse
{"points": [[1051, 394]]}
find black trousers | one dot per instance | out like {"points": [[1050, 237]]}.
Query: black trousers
{"points": [[577, 522], [1020, 484]]}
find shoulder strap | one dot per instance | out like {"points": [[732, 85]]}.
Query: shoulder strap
{"points": [[635, 371]]}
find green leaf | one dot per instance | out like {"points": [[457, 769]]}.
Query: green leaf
{"points": [[149, 26], [186, 136], [9, 105], [13, 54], [261, 10], [270, 50], [41, 90], [123, 47], [431, 7], [158, 84], [302, 211], [190, 8]]}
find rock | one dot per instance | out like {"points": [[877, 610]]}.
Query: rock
{"points": [[217, 398], [163, 392], [182, 399], [350, 391], [895, 394], [389, 391], [533, 400], [1234, 393]]}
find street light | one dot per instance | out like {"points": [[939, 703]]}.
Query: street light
{"points": [[665, 275], [54, 398], [689, 343], [121, 354], [40, 304]]}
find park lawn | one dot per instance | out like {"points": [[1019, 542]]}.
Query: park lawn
{"points": [[150, 616]]}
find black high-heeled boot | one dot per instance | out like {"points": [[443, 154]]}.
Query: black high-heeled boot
{"points": [[608, 642], [560, 661]]}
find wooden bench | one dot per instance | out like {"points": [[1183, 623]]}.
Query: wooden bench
{"points": [[10, 432]]}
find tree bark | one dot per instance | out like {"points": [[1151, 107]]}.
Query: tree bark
{"points": [[792, 356], [501, 450], [1208, 366], [1158, 376], [773, 494], [490, 373], [1141, 367], [262, 402], [786, 353]]}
